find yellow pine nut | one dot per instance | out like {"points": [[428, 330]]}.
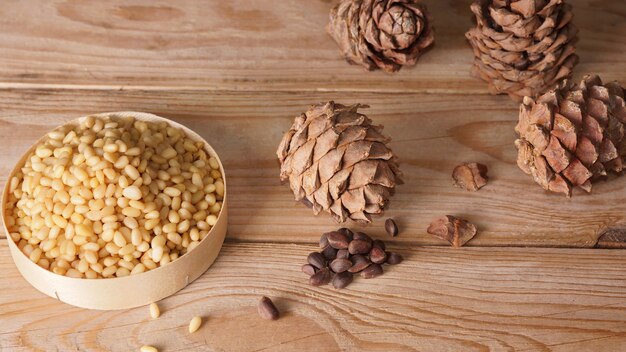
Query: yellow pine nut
{"points": [[137, 269], [127, 249], [109, 271], [194, 324], [112, 248], [82, 266], [131, 223], [92, 246], [79, 240], [83, 230], [183, 226], [148, 348], [149, 264], [155, 312], [172, 191], [213, 163], [121, 272], [97, 267], [143, 246], [173, 216], [219, 188], [91, 257], [73, 273], [192, 245], [132, 192], [132, 212], [157, 254], [35, 255], [137, 204], [167, 228], [119, 239], [131, 171], [175, 238], [90, 274], [215, 208], [211, 220]]}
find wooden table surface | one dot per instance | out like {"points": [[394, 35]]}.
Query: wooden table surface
{"points": [[237, 72]]}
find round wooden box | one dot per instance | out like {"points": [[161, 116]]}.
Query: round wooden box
{"points": [[134, 290]]}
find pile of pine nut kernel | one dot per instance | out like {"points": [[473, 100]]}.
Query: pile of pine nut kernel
{"points": [[113, 197]]}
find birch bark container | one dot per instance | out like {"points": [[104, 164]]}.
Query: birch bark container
{"points": [[134, 290]]}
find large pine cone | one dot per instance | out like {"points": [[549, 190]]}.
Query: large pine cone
{"points": [[572, 135], [337, 161], [523, 47], [385, 34]]}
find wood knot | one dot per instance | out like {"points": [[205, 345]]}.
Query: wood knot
{"points": [[614, 237]]}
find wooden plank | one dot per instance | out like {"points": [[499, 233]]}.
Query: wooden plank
{"points": [[244, 45], [438, 299], [431, 133]]}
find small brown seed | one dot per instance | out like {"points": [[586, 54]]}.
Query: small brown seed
{"points": [[323, 241], [362, 236], [359, 263], [359, 247], [267, 309], [372, 271], [308, 269], [391, 227], [338, 240], [340, 265], [343, 254], [329, 253], [316, 259], [378, 255], [347, 232], [393, 258], [342, 280], [379, 244], [322, 277]]}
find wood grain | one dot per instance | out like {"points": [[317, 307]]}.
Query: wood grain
{"points": [[431, 133], [249, 45], [438, 299]]}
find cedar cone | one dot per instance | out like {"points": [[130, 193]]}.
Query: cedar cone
{"points": [[572, 135], [522, 47], [385, 34], [337, 161]]}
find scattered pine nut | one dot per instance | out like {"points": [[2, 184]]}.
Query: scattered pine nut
{"points": [[194, 324], [155, 312], [147, 348]]}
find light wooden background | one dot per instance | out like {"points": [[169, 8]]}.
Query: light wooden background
{"points": [[237, 72]]}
